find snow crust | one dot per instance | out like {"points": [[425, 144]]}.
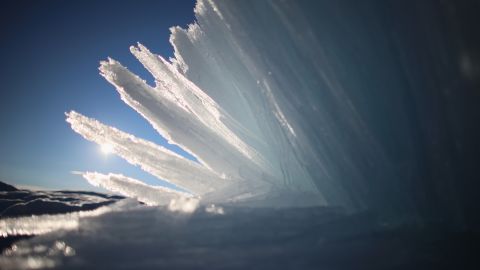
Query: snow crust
{"points": [[43, 224]]}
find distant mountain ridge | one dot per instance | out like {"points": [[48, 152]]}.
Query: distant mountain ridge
{"points": [[7, 187]]}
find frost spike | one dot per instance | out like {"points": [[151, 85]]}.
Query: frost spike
{"points": [[133, 188], [152, 158], [205, 109], [172, 118]]}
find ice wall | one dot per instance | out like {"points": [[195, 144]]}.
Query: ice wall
{"points": [[365, 100]]}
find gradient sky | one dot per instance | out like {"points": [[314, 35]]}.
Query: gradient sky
{"points": [[50, 53]]}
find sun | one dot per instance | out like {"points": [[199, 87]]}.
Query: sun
{"points": [[106, 148]]}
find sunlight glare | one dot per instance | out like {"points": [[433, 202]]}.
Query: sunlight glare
{"points": [[106, 148]]}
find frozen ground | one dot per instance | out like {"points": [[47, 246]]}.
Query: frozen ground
{"points": [[22, 202], [142, 237]]}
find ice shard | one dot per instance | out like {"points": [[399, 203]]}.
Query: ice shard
{"points": [[152, 158], [179, 112], [134, 188], [193, 99]]}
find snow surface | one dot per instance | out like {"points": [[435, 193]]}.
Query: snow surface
{"points": [[130, 236]]}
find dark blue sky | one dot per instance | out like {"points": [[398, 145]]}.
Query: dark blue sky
{"points": [[50, 53]]}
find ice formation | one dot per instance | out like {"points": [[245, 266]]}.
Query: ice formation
{"points": [[236, 128], [302, 103], [272, 124]]}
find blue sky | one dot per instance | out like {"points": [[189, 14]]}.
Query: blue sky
{"points": [[50, 53]]}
